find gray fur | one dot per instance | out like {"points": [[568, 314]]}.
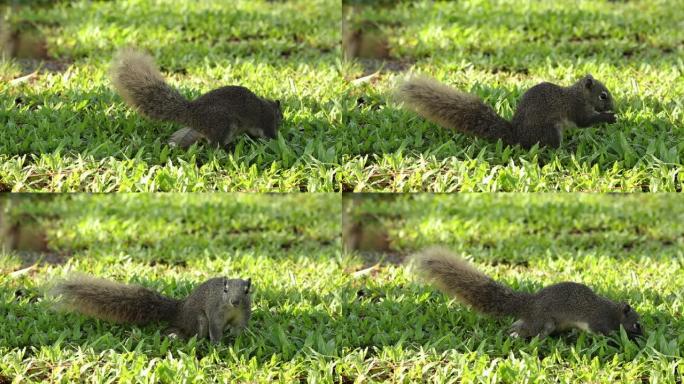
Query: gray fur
{"points": [[456, 277], [555, 308], [540, 117], [136, 78], [218, 115], [214, 305], [119, 303]]}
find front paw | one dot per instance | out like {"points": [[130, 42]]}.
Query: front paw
{"points": [[609, 117]]}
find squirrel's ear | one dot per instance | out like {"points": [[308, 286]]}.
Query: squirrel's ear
{"points": [[248, 286], [625, 308], [588, 81], [278, 103]]}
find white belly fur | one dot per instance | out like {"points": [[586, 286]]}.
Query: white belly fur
{"points": [[581, 325]]}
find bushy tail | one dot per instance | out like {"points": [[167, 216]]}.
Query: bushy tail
{"points": [[137, 79], [108, 300], [457, 277], [453, 109]]}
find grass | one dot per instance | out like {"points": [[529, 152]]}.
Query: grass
{"points": [[172, 243], [68, 131], [625, 247], [65, 129], [316, 319], [499, 49]]}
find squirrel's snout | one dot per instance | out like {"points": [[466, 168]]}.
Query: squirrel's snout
{"points": [[634, 335], [635, 331]]}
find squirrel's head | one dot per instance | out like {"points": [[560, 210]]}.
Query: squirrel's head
{"points": [[629, 320], [596, 94], [273, 118], [236, 291]]}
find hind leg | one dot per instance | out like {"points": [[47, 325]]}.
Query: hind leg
{"points": [[185, 137], [528, 329], [552, 137], [202, 326]]}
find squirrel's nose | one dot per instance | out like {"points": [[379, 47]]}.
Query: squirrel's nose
{"points": [[234, 301], [634, 334]]}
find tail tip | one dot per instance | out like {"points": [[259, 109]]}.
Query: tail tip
{"points": [[431, 254], [412, 90], [128, 52], [129, 58], [403, 86]]}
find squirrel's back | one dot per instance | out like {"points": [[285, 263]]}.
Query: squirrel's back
{"points": [[108, 300], [457, 277]]}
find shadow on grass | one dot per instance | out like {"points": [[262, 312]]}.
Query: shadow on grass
{"points": [[191, 228], [534, 39], [619, 226], [262, 31]]}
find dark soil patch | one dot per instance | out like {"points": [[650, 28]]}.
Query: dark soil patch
{"points": [[389, 257], [47, 65], [386, 65], [52, 258]]}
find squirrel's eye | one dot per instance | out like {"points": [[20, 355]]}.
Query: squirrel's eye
{"points": [[603, 96]]}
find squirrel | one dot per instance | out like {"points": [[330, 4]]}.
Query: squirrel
{"points": [[213, 305], [218, 115], [555, 308], [540, 117]]}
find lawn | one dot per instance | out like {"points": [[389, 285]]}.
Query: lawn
{"points": [[322, 315], [171, 243], [499, 49], [625, 247], [64, 129]]}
